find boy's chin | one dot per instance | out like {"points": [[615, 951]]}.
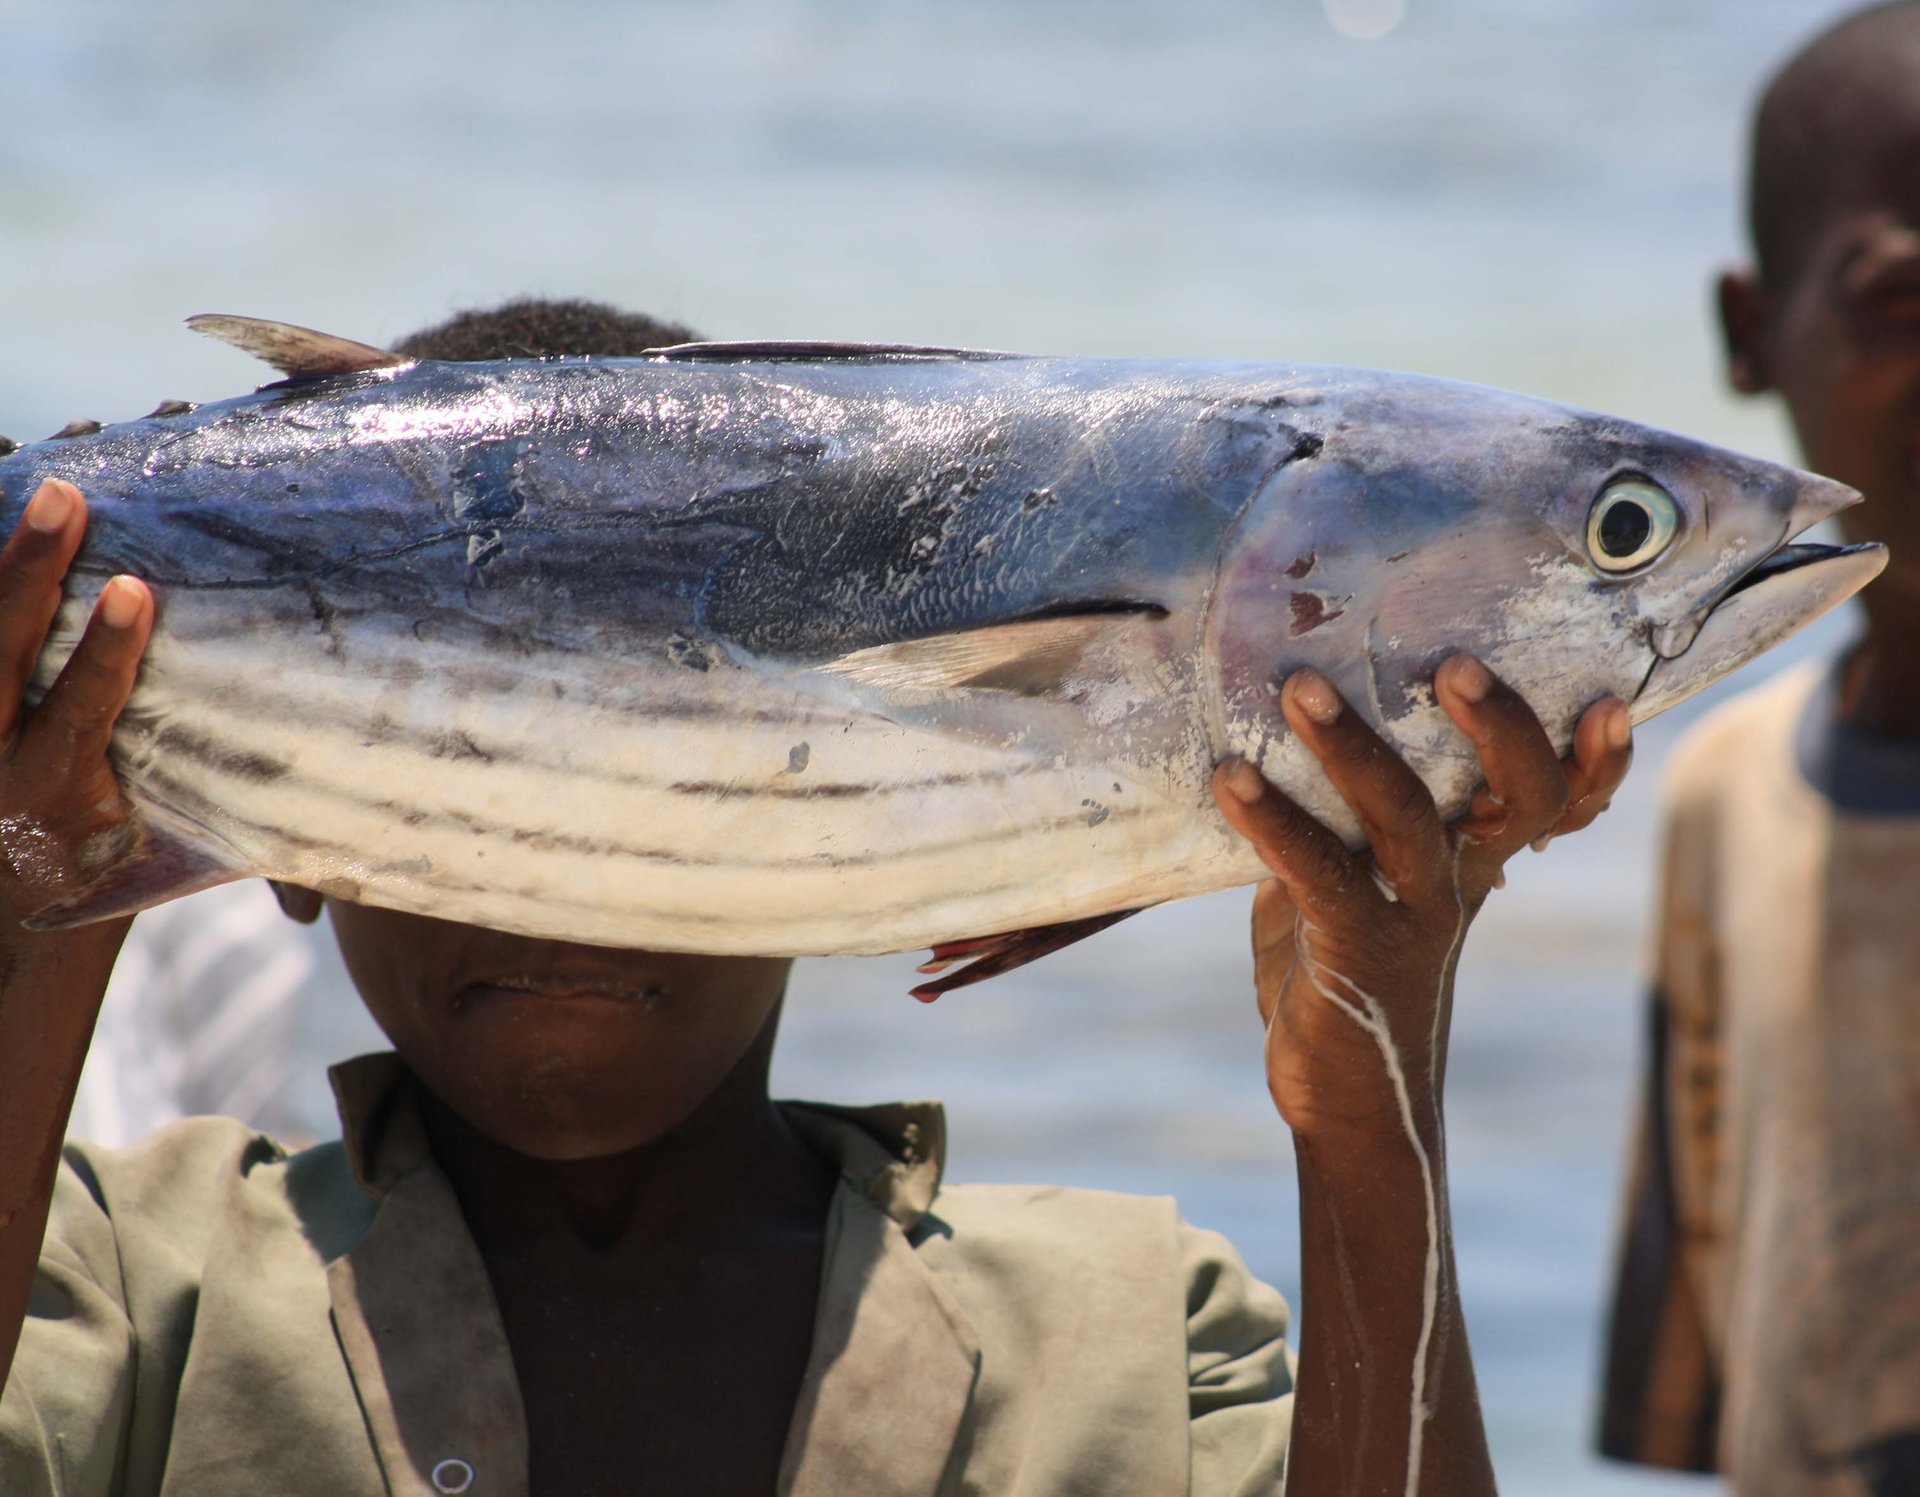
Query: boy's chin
{"points": [[584, 1077], [560, 1111]]}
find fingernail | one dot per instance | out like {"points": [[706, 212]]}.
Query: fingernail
{"points": [[1619, 728], [1244, 782], [1316, 696], [51, 507], [1468, 679], [119, 604], [1540, 844]]}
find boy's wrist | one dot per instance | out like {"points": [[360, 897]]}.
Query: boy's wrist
{"points": [[1371, 1151], [1336, 1086], [72, 962]]}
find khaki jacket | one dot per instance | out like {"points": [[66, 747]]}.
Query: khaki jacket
{"points": [[214, 1317]]}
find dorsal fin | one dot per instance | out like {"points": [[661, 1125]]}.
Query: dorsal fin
{"points": [[296, 351], [1028, 657], [774, 352]]}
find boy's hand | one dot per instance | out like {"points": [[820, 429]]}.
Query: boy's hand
{"points": [[1354, 954], [62, 816]]}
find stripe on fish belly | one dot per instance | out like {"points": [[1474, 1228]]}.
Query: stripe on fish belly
{"points": [[908, 834]]}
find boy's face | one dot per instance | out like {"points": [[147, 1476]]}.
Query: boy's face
{"points": [[1841, 344], [557, 1050]]}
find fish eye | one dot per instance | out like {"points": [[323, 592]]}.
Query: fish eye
{"points": [[1630, 524]]}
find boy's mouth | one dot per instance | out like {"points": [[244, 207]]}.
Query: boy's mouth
{"points": [[603, 986]]}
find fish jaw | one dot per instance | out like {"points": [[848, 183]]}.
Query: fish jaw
{"points": [[1789, 590]]}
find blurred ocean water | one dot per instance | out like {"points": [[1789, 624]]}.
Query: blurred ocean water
{"points": [[1530, 193]]}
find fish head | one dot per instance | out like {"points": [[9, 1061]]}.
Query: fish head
{"points": [[1577, 555]]}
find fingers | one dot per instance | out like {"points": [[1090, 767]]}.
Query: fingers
{"points": [[1526, 793], [1529, 794], [32, 567], [1602, 755], [1317, 873], [1410, 842], [70, 728]]}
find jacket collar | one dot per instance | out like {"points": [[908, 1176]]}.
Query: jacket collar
{"points": [[380, 1124], [894, 1360]]}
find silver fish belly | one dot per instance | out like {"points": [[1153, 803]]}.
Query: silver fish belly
{"points": [[791, 649]]}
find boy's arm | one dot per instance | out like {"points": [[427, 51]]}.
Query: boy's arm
{"points": [[1660, 1396], [61, 818], [1660, 1404], [1354, 964]]}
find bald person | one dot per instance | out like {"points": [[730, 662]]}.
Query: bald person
{"points": [[1767, 1310]]}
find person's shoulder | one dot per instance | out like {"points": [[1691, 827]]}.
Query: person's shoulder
{"points": [[1095, 1243], [1055, 1223], [1031, 1243], [1752, 732], [184, 1182], [1126, 1293], [180, 1159]]}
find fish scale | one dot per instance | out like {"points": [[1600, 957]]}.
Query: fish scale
{"points": [[788, 649]]}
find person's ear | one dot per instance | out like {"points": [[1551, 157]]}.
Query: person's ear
{"points": [[296, 903], [1743, 328]]}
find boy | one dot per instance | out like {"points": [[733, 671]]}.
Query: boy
{"points": [[569, 1246], [1767, 1314]]}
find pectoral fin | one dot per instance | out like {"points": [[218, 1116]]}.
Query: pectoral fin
{"points": [[1027, 657], [989, 956], [165, 858], [296, 351]]}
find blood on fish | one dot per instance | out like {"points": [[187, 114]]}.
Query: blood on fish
{"points": [[1310, 611]]}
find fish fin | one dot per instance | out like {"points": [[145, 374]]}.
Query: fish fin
{"points": [[1026, 657], [163, 860], [989, 956], [774, 351], [296, 351]]}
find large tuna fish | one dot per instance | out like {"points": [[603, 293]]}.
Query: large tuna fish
{"points": [[795, 649]]}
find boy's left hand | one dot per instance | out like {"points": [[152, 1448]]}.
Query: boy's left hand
{"points": [[1354, 953]]}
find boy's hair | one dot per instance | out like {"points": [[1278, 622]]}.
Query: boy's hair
{"points": [[531, 328], [1828, 127]]}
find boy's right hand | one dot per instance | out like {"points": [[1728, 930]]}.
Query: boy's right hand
{"points": [[62, 815], [62, 819]]}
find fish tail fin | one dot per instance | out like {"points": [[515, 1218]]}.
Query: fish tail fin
{"points": [[989, 956], [165, 857]]}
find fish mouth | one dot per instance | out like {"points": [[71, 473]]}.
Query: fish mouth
{"points": [[1778, 596], [1790, 558]]}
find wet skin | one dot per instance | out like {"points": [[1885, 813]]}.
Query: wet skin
{"points": [[1839, 341], [648, 1222]]}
